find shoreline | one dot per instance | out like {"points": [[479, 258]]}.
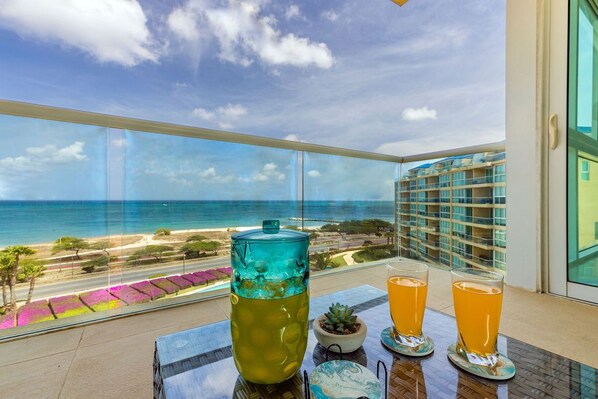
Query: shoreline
{"points": [[145, 238]]}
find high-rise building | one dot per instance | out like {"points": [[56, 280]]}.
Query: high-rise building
{"points": [[452, 212]]}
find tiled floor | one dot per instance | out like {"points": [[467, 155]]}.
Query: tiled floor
{"points": [[114, 359]]}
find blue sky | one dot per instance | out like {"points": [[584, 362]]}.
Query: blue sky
{"points": [[366, 75]]}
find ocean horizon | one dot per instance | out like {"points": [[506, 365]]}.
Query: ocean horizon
{"points": [[35, 222]]}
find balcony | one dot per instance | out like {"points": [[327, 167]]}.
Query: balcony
{"points": [[106, 353], [473, 181], [103, 344]]}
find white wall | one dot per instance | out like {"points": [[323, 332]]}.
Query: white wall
{"points": [[523, 202]]}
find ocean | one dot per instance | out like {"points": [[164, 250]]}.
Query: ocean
{"points": [[32, 222]]}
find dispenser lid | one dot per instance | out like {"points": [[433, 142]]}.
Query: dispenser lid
{"points": [[270, 232]]}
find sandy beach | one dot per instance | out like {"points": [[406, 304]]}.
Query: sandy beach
{"points": [[126, 242]]}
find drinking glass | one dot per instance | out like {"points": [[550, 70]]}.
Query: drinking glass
{"points": [[407, 283], [477, 297]]}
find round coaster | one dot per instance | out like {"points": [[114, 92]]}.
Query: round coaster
{"points": [[343, 379], [503, 370], [424, 349]]}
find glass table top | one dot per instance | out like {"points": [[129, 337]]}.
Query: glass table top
{"points": [[197, 363]]}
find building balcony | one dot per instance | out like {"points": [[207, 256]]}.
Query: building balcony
{"points": [[121, 350], [50, 352]]}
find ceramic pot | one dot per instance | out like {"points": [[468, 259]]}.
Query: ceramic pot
{"points": [[348, 343]]}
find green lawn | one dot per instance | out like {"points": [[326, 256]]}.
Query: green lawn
{"points": [[374, 253], [339, 261]]}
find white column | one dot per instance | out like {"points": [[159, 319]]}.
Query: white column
{"points": [[523, 178]]}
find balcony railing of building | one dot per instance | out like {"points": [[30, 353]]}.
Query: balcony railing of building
{"points": [[480, 240], [137, 263], [474, 181]]}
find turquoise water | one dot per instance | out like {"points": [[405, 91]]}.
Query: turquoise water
{"points": [[31, 222]]}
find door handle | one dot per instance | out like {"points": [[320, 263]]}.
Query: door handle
{"points": [[553, 131]]}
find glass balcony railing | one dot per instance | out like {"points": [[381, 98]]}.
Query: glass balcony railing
{"points": [[476, 200], [474, 219], [476, 239], [139, 215], [119, 221], [473, 181]]}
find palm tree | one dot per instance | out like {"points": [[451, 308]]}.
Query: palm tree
{"points": [[322, 260], [16, 251], [390, 237], [32, 269], [6, 261]]}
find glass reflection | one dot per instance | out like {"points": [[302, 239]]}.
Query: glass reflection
{"points": [[407, 379]]}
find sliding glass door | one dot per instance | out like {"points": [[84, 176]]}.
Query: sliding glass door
{"points": [[582, 164], [573, 157]]}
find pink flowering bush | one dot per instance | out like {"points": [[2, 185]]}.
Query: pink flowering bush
{"points": [[181, 282], [165, 285], [34, 312], [67, 306], [149, 289], [100, 300], [193, 279], [9, 320], [209, 278], [218, 274], [129, 295], [226, 270]]}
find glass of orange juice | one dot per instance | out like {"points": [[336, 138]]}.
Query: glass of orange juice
{"points": [[407, 283], [477, 296]]}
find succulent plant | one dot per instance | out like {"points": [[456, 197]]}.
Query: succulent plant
{"points": [[340, 319]]}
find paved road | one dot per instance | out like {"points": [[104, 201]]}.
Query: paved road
{"points": [[127, 276], [131, 275]]}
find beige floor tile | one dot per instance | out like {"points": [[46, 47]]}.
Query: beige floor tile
{"points": [[40, 378], [224, 305], [39, 346], [108, 369], [199, 313], [114, 358]]}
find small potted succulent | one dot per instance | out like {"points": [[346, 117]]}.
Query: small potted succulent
{"points": [[340, 326]]}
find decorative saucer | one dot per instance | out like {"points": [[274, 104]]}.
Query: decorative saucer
{"points": [[504, 369], [424, 349], [343, 379]]}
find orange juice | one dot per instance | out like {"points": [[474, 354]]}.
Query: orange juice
{"points": [[407, 300], [477, 309], [269, 336]]}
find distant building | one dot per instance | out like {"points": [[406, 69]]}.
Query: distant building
{"points": [[453, 212]]}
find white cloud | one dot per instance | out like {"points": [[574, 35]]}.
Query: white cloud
{"points": [[269, 172], [232, 111], [314, 173], [293, 12], [108, 30], [294, 137], [203, 114], [225, 125], [269, 167], [38, 159], [330, 15], [211, 176], [118, 143], [224, 115], [418, 114], [189, 176], [210, 172], [183, 22], [245, 35]]}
